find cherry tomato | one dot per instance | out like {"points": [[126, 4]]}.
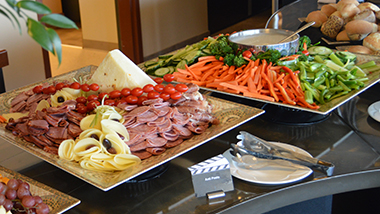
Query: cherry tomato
{"points": [[92, 105], [115, 94], [81, 109], [153, 95], [59, 86], [159, 88], [176, 95], [148, 88], [45, 90], [94, 87], [168, 77], [125, 92], [82, 100], [131, 99], [159, 80], [102, 95], [181, 87], [109, 102], [51, 89], [169, 89], [141, 100], [306, 52], [85, 87], [137, 92], [247, 54], [38, 89], [165, 96], [92, 97], [171, 85], [121, 101], [75, 85]]}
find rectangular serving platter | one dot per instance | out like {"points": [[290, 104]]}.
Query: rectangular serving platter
{"points": [[329, 106], [57, 201], [229, 114]]}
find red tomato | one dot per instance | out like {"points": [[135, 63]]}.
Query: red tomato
{"points": [[141, 99], [102, 95], [153, 95], [115, 94], [125, 92], [38, 89], [137, 92], [109, 102], [247, 54], [168, 77], [92, 97], [165, 96], [85, 87], [176, 95], [94, 87], [169, 89], [92, 105], [306, 52], [75, 85], [51, 89], [82, 100], [121, 101], [181, 87], [131, 99], [148, 88], [159, 88], [159, 80], [81, 109], [59, 86]]}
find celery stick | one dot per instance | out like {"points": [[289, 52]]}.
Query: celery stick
{"points": [[367, 64]]}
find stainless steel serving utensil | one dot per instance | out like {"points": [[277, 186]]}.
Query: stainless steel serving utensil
{"points": [[297, 31], [252, 145]]}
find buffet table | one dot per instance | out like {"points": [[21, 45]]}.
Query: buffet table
{"points": [[347, 137]]}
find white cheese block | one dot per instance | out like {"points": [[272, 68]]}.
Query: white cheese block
{"points": [[117, 71]]}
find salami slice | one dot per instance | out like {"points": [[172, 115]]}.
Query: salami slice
{"points": [[156, 142], [142, 154], [138, 146], [156, 151], [171, 144]]}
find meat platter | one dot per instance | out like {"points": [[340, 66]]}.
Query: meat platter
{"points": [[229, 114], [57, 201]]}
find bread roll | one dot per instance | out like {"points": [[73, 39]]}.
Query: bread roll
{"points": [[318, 17], [372, 41], [342, 36], [342, 2], [359, 49], [358, 29], [332, 26], [367, 15], [348, 10], [368, 5], [328, 9]]}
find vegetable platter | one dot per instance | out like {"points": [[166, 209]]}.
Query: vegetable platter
{"points": [[229, 114], [316, 79]]}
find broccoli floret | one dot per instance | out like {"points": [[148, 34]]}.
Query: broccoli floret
{"points": [[269, 55], [222, 47]]}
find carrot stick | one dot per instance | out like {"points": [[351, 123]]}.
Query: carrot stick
{"points": [[284, 94]]}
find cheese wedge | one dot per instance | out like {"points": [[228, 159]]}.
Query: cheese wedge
{"points": [[117, 71]]}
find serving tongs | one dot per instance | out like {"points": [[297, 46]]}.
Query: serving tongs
{"points": [[259, 148]]}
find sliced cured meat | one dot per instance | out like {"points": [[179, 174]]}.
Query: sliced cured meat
{"points": [[142, 128], [138, 146], [53, 121], [22, 129], [156, 142], [197, 129], [45, 140], [58, 133], [35, 98], [153, 102], [74, 130], [19, 107], [139, 110], [126, 107], [146, 117], [170, 135], [52, 150], [192, 88], [156, 151], [130, 122], [74, 117], [142, 154], [171, 144], [180, 119], [158, 121], [133, 138], [167, 126], [183, 131], [162, 111], [37, 127], [19, 98]]}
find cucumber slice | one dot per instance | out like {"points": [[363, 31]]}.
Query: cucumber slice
{"points": [[150, 63], [165, 56], [191, 56], [162, 71], [319, 50], [182, 64], [171, 69]]}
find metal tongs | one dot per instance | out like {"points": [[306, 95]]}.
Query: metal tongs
{"points": [[259, 148]]}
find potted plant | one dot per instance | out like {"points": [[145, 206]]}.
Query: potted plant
{"points": [[39, 30]]}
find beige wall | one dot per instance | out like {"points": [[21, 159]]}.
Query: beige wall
{"points": [[99, 28], [24, 54], [166, 23]]}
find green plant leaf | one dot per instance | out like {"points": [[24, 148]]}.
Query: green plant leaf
{"points": [[56, 43], [12, 4], [34, 6], [58, 20], [13, 16], [38, 32]]}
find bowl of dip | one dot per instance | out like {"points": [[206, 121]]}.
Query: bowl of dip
{"points": [[260, 40]]}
